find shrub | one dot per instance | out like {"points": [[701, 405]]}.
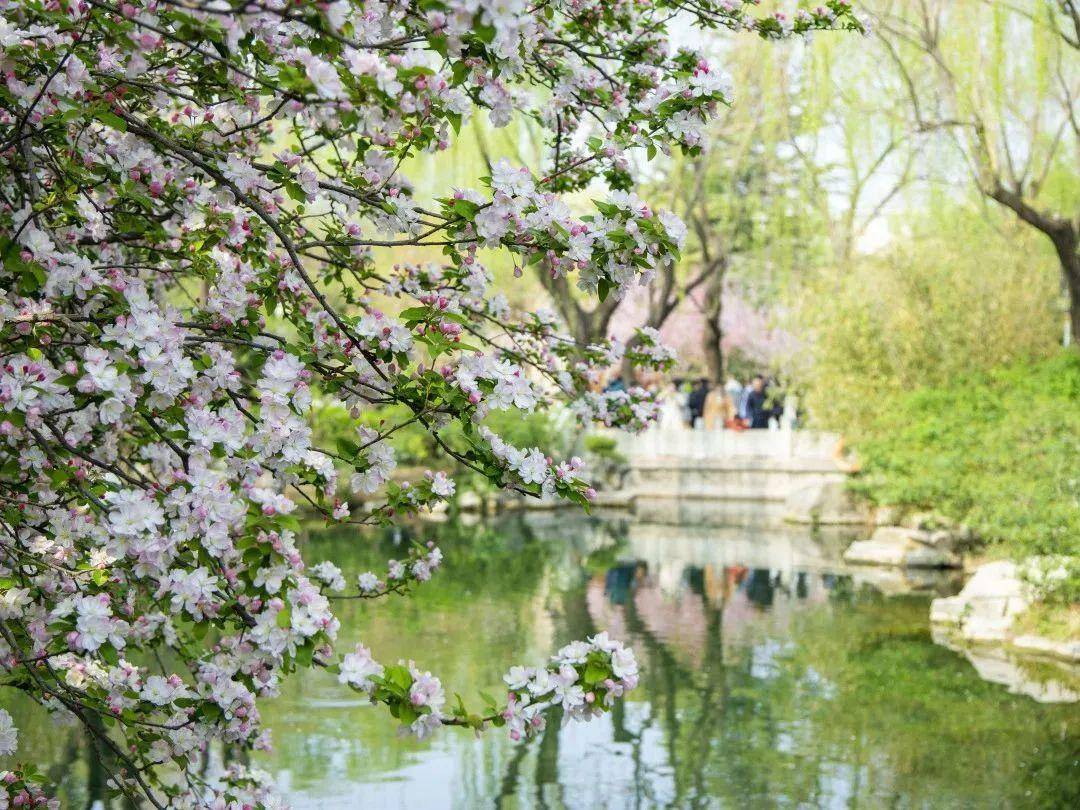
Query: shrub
{"points": [[996, 450]]}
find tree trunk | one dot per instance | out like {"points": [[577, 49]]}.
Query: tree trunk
{"points": [[1068, 251], [1065, 237], [626, 368], [713, 333], [713, 351], [586, 325]]}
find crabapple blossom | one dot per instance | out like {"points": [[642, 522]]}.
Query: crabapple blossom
{"points": [[9, 735], [358, 668]]}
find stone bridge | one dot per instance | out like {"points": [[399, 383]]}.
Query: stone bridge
{"points": [[679, 475]]}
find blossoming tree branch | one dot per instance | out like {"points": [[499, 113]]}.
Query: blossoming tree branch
{"points": [[190, 200]]}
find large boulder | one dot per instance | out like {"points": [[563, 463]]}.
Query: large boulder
{"points": [[1050, 648], [894, 581], [904, 548], [940, 531]]}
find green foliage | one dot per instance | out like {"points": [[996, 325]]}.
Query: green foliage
{"points": [[603, 446], [414, 447], [551, 432], [996, 450], [606, 464], [1055, 621]]}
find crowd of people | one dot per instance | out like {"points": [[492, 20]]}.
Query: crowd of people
{"points": [[732, 406], [697, 403]]}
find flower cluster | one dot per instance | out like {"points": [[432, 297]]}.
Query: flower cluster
{"points": [[647, 351], [192, 197], [22, 788], [584, 678], [421, 563], [634, 408]]}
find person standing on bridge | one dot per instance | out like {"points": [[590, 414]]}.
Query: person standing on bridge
{"points": [[757, 404], [697, 401]]}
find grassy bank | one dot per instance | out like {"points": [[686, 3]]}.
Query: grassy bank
{"points": [[999, 451]]}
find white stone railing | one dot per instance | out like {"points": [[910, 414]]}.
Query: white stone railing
{"points": [[700, 444]]}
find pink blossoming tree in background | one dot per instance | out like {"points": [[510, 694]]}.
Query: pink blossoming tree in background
{"points": [[190, 197]]}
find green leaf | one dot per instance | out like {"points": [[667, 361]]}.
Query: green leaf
{"points": [[305, 654], [292, 188], [594, 674], [399, 676], [466, 209], [112, 120], [456, 317], [109, 654], [407, 714], [603, 287], [347, 447]]}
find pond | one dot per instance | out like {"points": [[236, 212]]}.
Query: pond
{"points": [[771, 678]]}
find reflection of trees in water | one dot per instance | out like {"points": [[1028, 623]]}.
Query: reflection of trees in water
{"points": [[714, 728], [670, 676], [546, 769], [574, 620], [842, 697]]}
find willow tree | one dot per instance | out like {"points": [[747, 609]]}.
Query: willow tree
{"points": [[1001, 82]]}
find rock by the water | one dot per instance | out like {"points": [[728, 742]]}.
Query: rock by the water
{"points": [[927, 521], [995, 588], [984, 610], [902, 547], [1051, 648], [886, 515], [894, 581]]}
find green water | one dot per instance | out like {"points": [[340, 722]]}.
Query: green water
{"points": [[769, 680]]}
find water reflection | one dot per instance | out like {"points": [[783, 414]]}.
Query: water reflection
{"points": [[772, 676]]}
